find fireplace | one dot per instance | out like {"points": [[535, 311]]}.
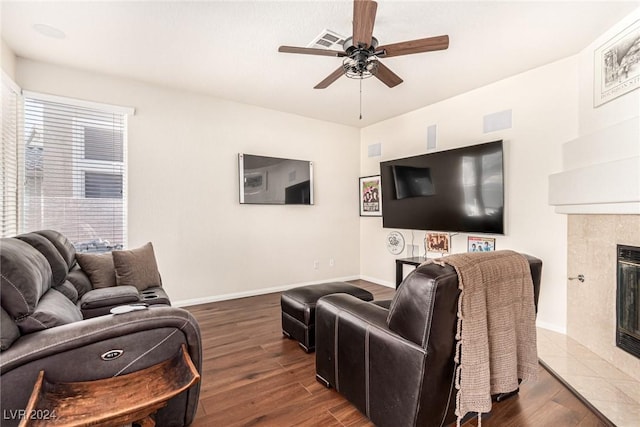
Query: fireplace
{"points": [[628, 300]]}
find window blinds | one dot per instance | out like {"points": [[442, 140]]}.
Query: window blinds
{"points": [[9, 158], [75, 171]]}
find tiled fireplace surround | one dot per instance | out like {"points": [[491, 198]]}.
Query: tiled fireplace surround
{"points": [[587, 357]]}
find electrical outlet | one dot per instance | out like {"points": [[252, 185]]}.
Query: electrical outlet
{"points": [[332, 262], [316, 264]]}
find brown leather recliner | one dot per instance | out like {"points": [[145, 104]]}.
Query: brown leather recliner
{"points": [[397, 369]]}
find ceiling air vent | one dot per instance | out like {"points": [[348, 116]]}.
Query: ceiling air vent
{"points": [[328, 39]]}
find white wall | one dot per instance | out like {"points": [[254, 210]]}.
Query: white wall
{"points": [[7, 59], [544, 107], [183, 187], [620, 109], [605, 157]]}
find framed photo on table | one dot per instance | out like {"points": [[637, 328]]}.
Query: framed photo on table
{"points": [[370, 192], [481, 244], [617, 65], [438, 242]]}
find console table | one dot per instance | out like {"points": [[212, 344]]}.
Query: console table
{"points": [[415, 261], [113, 401]]}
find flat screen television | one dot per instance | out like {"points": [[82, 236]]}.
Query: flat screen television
{"points": [[458, 190], [275, 181]]}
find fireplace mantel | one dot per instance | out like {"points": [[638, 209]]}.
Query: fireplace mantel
{"points": [[601, 172]]}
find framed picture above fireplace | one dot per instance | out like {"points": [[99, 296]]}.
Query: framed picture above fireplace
{"points": [[617, 65]]}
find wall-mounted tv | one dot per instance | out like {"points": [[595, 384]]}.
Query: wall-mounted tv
{"points": [[458, 190], [275, 181]]}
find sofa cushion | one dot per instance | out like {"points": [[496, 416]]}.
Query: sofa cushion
{"points": [[9, 332], [62, 244], [108, 297], [99, 268], [137, 267], [59, 267], [26, 276], [79, 279], [68, 290], [53, 309]]}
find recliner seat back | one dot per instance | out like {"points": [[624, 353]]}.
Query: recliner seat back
{"points": [[26, 288]]}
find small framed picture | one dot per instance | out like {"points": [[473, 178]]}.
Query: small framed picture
{"points": [[438, 242], [370, 192], [481, 244]]}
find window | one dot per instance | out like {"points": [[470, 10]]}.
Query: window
{"points": [[9, 158], [102, 185], [98, 160], [102, 144], [75, 170]]}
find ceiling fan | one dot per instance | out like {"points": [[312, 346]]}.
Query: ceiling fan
{"points": [[362, 53]]}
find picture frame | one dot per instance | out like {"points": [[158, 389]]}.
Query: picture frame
{"points": [[255, 182], [617, 65], [370, 195], [481, 244], [438, 242]]}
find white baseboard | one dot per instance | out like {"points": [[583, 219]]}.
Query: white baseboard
{"points": [[254, 292], [378, 281], [551, 327]]}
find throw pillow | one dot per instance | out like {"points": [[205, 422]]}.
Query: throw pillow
{"points": [[137, 267], [99, 268]]}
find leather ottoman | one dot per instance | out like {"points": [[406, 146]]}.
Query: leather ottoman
{"points": [[299, 309]]}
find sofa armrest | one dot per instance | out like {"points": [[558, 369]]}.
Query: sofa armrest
{"points": [[155, 295], [109, 297], [85, 350], [99, 302], [371, 365], [379, 371]]}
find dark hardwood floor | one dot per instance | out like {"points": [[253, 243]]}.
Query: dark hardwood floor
{"points": [[252, 376]]}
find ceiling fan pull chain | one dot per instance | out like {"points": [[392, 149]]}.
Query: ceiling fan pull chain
{"points": [[360, 99]]}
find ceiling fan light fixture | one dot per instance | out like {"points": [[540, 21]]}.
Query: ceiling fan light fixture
{"points": [[350, 48], [359, 69], [361, 62]]}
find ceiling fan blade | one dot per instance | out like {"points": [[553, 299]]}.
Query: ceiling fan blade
{"points": [[330, 78], [311, 51], [364, 16], [414, 46], [386, 76]]}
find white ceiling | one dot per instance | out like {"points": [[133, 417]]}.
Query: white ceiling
{"points": [[229, 48]]}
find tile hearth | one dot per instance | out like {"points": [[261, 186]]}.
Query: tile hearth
{"points": [[612, 392]]}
